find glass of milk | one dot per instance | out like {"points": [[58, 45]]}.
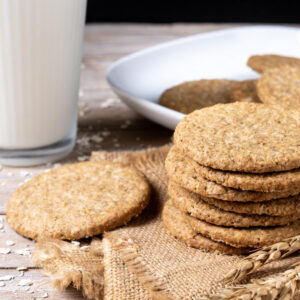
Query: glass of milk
{"points": [[40, 58]]}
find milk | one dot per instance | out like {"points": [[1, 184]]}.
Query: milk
{"points": [[40, 57]]}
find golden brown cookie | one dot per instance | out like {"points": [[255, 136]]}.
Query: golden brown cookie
{"points": [[261, 63], [175, 221], [255, 237], [184, 171], [264, 182], [240, 136], [244, 91], [191, 95], [278, 207], [78, 200], [280, 86], [193, 205]]}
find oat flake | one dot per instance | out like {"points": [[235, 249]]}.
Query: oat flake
{"points": [[10, 243], [25, 282], [5, 250], [6, 278]]}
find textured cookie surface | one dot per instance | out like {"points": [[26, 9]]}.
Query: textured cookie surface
{"points": [[78, 200], [192, 204], [280, 86], [244, 91], [279, 207], [184, 171], [255, 237], [265, 182], [191, 95], [240, 136], [177, 223], [260, 63]]}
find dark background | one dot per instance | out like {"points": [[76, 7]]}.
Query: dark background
{"points": [[194, 11]]}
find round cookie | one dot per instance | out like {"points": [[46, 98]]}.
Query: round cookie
{"points": [[280, 86], [244, 91], [260, 63], [193, 205], [265, 182], [78, 200], [175, 221], [183, 171], [191, 95], [255, 237], [240, 136], [279, 207]]}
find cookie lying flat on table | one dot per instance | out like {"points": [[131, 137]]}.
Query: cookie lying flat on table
{"points": [[193, 205], [244, 91], [175, 221], [278, 207], [78, 200], [255, 237], [240, 136], [191, 95], [261, 63], [280, 86], [184, 171]]}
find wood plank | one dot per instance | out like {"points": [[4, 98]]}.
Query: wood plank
{"points": [[19, 255], [110, 30], [41, 286]]}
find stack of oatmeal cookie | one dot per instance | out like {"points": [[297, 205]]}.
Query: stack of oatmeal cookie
{"points": [[234, 177]]}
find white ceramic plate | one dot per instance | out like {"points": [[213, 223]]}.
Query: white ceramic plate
{"points": [[140, 78]]}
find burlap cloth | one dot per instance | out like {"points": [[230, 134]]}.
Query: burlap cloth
{"points": [[141, 260]]}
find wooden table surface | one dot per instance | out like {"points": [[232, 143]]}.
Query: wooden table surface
{"points": [[105, 123]]}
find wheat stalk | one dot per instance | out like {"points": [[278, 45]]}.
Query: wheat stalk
{"points": [[262, 257], [282, 287]]}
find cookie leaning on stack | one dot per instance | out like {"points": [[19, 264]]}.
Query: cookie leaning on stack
{"points": [[235, 176]]}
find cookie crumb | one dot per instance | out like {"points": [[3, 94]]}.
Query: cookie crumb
{"points": [[76, 243], [24, 173], [110, 102], [25, 251], [83, 158], [105, 133], [6, 278], [96, 139], [84, 247], [5, 250], [25, 282], [126, 124]]}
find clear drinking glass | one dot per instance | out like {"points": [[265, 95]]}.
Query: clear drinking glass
{"points": [[40, 58]]}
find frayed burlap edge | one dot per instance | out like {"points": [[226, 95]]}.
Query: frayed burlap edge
{"points": [[128, 251], [68, 265]]}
